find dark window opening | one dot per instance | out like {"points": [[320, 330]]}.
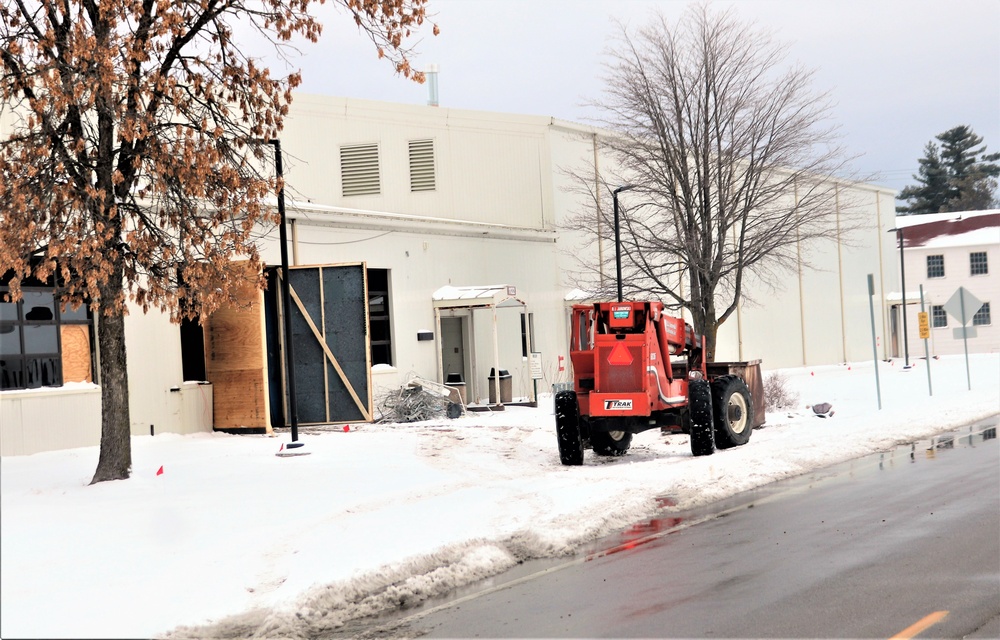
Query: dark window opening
{"points": [[939, 316], [935, 266], [978, 265], [192, 350], [982, 317], [379, 318], [31, 340], [527, 333]]}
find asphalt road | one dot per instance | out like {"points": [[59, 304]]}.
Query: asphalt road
{"points": [[904, 544]]}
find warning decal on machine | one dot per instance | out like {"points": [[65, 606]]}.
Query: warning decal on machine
{"points": [[618, 405]]}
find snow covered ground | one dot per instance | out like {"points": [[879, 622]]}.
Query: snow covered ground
{"points": [[385, 514]]}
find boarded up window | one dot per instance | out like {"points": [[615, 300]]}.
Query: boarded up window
{"points": [[359, 170], [234, 354], [422, 165], [329, 326]]}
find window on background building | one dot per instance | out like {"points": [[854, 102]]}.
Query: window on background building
{"points": [[977, 263], [935, 266], [982, 317], [939, 317], [527, 333], [38, 341], [378, 316]]}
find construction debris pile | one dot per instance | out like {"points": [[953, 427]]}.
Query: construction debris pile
{"points": [[416, 402]]}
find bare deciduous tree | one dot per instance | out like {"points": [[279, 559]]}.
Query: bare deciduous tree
{"points": [[127, 175], [731, 159]]}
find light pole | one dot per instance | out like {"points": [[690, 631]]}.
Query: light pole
{"points": [[618, 249], [902, 278], [286, 302]]}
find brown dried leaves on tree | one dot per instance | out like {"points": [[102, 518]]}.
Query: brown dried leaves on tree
{"points": [[129, 145], [131, 149]]}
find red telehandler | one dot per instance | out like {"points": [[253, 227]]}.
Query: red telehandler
{"points": [[637, 368]]}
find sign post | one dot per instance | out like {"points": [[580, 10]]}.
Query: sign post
{"points": [[963, 306], [871, 309], [535, 365], [925, 332]]}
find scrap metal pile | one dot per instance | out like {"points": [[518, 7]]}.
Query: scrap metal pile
{"points": [[420, 400]]}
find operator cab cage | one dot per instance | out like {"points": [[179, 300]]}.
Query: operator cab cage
{"points": [[632, 350], [619, 318]]}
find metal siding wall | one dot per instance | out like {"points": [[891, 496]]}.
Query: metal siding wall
{"points": [[821, 305], [153, 344], [488, 166], [32, 422]]}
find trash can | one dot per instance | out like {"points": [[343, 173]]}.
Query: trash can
{"points": [[455, 380], [506, 391]]}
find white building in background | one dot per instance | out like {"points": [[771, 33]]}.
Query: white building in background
{"points": [[454, 218], [943, 252]]}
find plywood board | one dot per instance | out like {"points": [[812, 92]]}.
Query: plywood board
{"points": [[76, 353], [235, 360]]}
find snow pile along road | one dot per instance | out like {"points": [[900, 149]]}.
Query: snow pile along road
{"points": [[387, 515]]}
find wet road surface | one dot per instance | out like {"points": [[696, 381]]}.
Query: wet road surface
{"points": [[905, 542]]}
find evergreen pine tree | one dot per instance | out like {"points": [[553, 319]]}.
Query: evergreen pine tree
{"points": [[932, 193], [958, 176]]}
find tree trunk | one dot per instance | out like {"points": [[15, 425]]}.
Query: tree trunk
{"points": [[116, 446], [711, 334]]}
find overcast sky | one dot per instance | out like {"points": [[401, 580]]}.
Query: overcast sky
{"points": [[899, 71]]}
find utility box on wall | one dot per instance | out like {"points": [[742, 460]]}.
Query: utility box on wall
{"points": [[196, 407]]}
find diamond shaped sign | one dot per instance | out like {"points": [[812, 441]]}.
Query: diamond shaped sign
{"points": [[962, 305], [620, 355]]}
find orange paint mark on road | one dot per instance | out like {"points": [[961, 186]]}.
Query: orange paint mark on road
{"points": [[920, 626]]}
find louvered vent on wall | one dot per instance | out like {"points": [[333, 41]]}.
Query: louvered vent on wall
{"points": [[422, 165], [359, 170]]}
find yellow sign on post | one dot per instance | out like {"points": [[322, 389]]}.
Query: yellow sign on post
{"points": [[923, 321]]}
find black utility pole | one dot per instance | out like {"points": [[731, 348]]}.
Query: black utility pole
{"points": [[618, 248], [902, 277], [286, 302]]}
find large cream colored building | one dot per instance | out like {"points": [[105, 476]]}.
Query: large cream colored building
{"points": [[455, 217]]}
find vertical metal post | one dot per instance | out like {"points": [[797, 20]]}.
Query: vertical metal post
{"points": [[618, 246], [927, 353], [871, 309], [902, 276], [286, 302], [965, 337], [496, 359]]}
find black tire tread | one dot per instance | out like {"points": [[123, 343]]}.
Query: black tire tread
{"points": [[568, 434], [702, 426]]}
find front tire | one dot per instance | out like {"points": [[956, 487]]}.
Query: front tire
{"points": [[610, 443], [733, 411], [568, 428], [700, 407]]}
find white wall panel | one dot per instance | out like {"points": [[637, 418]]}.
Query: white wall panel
{"points": [[38, 420]]}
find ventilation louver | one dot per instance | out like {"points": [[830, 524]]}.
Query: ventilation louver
{"points": [[359, 170], [422, 165]]}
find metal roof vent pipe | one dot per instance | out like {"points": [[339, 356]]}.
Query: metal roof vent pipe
{"points": [[432, 84]]}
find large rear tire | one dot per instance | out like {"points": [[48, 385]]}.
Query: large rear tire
{"points": [[702, 429], [568, 428], [610, 443], [733, 411]]}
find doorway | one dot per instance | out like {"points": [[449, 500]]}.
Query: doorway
{"points": [[453, 352]]}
